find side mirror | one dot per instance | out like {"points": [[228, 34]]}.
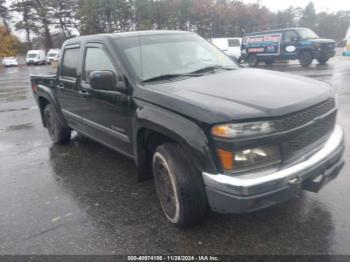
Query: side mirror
{"points": [[106, 80]]}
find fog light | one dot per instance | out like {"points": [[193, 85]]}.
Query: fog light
{"points": [[254, 158]]}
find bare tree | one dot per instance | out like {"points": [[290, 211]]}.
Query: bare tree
{"points": [[5, 15]]}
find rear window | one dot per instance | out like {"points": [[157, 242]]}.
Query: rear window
{"points": [[70, 62], [233, 43]]}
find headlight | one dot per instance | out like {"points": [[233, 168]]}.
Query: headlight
{"points": [[249, 159], [317, 46], [240, 130]]}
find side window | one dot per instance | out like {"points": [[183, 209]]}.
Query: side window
{"points": [[290, 36], [233, 43], [70, 62], [96, 59]]}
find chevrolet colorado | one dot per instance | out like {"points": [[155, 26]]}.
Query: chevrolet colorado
{"points": [[213, 135]]}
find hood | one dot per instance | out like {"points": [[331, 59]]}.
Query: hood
{"points": [[236, 95], [321, 41]]}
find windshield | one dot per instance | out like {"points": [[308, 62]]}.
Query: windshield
{"points": [[307, 34], [52, 54], [171, 54], [32, 55]]}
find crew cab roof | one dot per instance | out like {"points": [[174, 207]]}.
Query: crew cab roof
{"points": [[121, 35], [273, 31]]}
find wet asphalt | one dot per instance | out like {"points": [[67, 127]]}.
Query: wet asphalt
{"points": [[84, 198]]}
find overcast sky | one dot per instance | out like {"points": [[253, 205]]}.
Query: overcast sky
{"points": [[320, 5]]}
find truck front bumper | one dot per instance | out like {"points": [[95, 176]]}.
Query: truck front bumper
{"points": [[324, 54], [250, 192]]}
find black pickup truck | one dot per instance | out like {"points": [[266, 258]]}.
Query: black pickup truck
{"points": [[213, 135]]}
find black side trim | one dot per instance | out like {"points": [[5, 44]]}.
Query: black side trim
{"points": [[111, 132]]}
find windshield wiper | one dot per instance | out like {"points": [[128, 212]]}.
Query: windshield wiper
{"points": [[211, 68], [168, 77]]}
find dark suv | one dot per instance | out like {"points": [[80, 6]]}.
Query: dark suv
{"points": [[212, 134]]}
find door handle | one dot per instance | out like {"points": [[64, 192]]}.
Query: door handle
{"points": [[84, 93], [60, 86]]}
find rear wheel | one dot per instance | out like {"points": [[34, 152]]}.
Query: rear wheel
{"points": [[252, 60], [305, 58], [59, 134], [269, 62], [322, 60], [179, 186]]}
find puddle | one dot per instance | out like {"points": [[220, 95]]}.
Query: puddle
{"points": [[12, 110], [19, 127]]}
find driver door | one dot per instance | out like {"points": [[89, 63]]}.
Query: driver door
{"points": [[289, 44], [105, 113]]}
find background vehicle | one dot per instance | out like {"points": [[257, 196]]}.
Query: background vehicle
{"points": [[346, 51], [52, 55], [36, 57], [286, 44], [9, 61], [230, 46], [210, 133]]}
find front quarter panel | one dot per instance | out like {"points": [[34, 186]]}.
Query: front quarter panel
{"points": [[187, 133]]}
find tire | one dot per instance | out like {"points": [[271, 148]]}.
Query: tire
{"points": [[252, 60], [59, 134], [305, 58], [179, 186], [322, 60], [269, 62]]}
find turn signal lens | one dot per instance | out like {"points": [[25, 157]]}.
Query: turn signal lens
{"points": [[226, 159], [221, 131]]}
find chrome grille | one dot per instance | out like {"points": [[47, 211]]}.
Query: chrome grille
{"points": [[305, 116], [307, 138], [327, 47]]}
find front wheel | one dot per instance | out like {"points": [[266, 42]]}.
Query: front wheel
{"points": [[305, 58], [322, 60], [59, 134], [252, 60], [179, 186]]}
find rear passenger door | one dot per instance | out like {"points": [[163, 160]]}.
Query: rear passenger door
{"points": [[66, 90]]}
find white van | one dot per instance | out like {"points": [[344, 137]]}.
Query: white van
{"points": [[36, 57], [52, 55], [347, 44], [230, 46]]}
